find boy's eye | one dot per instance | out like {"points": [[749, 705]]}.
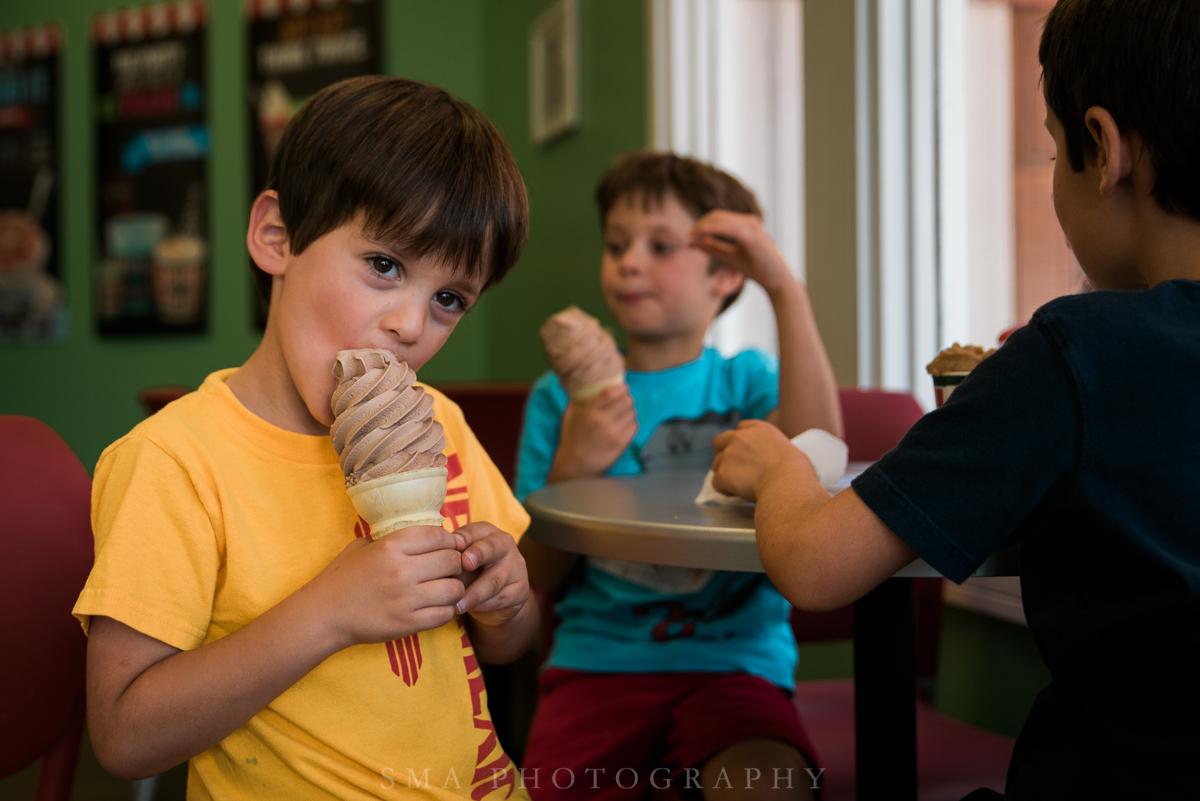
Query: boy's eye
{"points": [[384, 266], [449, 300], [615, 248], [662, 248]]}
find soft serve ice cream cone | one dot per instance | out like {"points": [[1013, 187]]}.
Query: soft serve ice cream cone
{"points": [[389, 445], [581, 353]]}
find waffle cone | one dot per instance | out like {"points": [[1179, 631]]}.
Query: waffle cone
{"points": [[586, 392], [398, 501]]}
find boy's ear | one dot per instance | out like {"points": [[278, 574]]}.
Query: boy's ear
{"points": [[728, 281], [1114, 154], [267, 237]]}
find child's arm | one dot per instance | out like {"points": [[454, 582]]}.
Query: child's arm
{"points": [[151, 706], [502, 621], [807, 390], [821, 552]]}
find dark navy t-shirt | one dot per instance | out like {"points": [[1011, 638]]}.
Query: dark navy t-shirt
{"points": [[1080, 439]]}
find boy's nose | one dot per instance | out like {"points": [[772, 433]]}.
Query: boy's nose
{"points": [[406, 320], [632, 261]]}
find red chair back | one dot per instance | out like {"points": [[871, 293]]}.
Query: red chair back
{"points": [[875, 420], [46, 541], [494, 411]]}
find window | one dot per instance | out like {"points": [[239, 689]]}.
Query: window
{"points": [[934, 223], [726, 87]]}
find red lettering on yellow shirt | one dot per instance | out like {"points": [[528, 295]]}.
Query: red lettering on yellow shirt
{"points": [[499, 772], [457, 508], [405, 656]]}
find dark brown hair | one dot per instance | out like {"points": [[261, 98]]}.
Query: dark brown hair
{"points": [[1139, 60], [699, 188], [428, 172]]}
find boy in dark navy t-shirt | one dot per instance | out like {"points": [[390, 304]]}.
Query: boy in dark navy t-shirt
{"points": [[1078, 439]]}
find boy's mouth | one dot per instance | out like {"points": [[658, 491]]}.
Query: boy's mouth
{"points": [[632, 297]]}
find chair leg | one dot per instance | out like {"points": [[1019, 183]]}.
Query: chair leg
{"points": [[57, 773], [145, 789]]}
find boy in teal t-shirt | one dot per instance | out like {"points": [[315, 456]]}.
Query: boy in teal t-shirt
{"points": [[662, 675]]}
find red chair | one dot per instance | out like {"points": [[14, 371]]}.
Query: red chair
{"points": [[154, 398], [494, 411], [46, 537], [953, 758]]}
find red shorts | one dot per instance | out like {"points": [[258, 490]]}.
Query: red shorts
{"points": [[608, 735]]}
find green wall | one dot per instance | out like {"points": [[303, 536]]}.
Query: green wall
{"points": [[86, 387], [561, 264]]}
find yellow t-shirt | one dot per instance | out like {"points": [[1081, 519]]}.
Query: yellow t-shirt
{"points": [[205, 516]]}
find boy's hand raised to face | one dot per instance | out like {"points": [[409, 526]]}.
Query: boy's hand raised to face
{"points": [[740, 242], [405, 582], [494, 574], [594, 434]]}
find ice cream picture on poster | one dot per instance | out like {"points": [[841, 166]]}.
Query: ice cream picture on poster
{"points": [[152, 143], [32, 295], [387, 441]]}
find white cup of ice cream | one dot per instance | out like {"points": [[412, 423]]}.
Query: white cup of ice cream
{"points": [[179, 278], [950, 367]]}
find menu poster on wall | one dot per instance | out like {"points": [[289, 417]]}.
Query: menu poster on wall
{"points": [[297, 48], [31, 287], [152, 145]]}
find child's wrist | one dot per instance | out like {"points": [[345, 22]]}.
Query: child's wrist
{"points": [[308, 605], [785, 289], [786, 476]]}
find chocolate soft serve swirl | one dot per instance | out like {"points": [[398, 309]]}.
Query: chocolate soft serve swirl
{"points": [[579, 350], [383, 423]]}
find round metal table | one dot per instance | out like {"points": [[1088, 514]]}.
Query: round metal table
{"points": [[653, 518]]}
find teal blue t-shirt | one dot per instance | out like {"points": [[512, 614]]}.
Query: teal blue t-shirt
{"points": [[622, 616]]}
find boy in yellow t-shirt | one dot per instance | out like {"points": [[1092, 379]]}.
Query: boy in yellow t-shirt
{"points": [[238, 614]]}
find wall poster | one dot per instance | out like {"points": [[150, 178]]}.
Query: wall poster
{"points": [[32, 303], [297, 48], [152, 145]]}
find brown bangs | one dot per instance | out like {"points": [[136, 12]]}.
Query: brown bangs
{"points": [[429, 173], [699, 187]]}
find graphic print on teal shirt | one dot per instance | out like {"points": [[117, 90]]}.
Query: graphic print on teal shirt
{"points": [[621, 616]]}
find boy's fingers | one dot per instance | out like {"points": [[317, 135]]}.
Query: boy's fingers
{"points": [[506, 598], [717, 241], [443, 592], [472, 533], [489, 584], [615, 392], [416, 540], [432, 617], [435, 566], [721, 441], [488, 550]]}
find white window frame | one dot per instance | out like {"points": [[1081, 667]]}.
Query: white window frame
{"points": [[933, 162], [726, 87]]}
